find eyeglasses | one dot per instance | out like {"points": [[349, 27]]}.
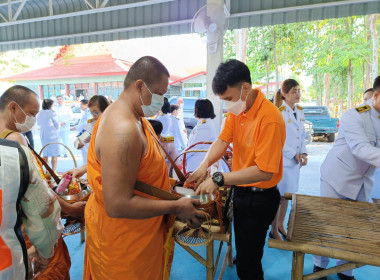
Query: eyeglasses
{"points": [[95, 113]]}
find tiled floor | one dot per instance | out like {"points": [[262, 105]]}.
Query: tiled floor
{"points": [[276, 263]]}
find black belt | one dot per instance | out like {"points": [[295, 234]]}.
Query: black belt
{"points": [[254, 189]]}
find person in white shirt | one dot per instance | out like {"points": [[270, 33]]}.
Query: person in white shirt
{"points": [[204, 131], [171, 138], [294, 151], [180, 104], [348, 170], [64, 117]]}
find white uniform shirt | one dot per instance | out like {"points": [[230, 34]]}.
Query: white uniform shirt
{"points": [[64, 115], [171, 127], [204, 131], [350, 164], [294, 143]]}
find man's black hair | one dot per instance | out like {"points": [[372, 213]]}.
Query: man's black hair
{"points": [[230, 73], [84, 101], [47, 103], [18, 94], [173, 108], [157, 126], [166, 107], [148, 69], [204, 109], [376, 84]]}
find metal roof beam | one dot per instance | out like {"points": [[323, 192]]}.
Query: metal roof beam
{"points": [[104, 4], [19, 10], [86, 12], [9, 10], [301, 7], [12, 2], [3, 17], [89, 4]]}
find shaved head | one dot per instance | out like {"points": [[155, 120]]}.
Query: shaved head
{"points": [[148, 69], [19, 94]]}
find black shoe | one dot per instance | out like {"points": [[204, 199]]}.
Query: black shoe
{"points": [[345, 277], [316, 269], [283, 235]]}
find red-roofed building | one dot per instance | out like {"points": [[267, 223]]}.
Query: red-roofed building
{"points": [[77, 76]]}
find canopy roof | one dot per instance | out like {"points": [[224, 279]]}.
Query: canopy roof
{"points": [[38, 23]]}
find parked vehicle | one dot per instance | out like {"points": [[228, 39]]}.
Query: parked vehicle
{"points": [[323, 123], [188, 110], [309, 131]]}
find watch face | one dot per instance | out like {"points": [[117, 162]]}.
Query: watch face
{"points": [[218, 178]]}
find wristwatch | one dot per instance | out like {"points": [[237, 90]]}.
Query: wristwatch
{"points": [[218, 178]]}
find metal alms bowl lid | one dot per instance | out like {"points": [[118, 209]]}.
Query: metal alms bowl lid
{"points": [[204, 198]]}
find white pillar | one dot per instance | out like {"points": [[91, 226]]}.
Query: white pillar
{"points": [[213, 61]]}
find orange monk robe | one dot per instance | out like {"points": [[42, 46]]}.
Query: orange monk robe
{"points": [[124, 248], [59, 263]]}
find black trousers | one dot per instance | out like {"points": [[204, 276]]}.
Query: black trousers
{"points": [[253, 213]]}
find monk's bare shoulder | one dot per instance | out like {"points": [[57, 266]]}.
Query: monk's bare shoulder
{"points": [[118, 136], [18, 137]]}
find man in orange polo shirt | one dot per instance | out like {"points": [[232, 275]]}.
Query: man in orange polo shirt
{"points": [[257, 130]]}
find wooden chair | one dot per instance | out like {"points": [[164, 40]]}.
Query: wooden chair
{"points": [[335, 228], [211, 267]]}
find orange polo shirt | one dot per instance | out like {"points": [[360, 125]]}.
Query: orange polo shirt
{"points": [[258, 137]]}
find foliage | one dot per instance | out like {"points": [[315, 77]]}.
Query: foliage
{"points": [[313, 49]]}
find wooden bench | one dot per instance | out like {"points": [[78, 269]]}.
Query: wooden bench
{"points": [[335, 228]]}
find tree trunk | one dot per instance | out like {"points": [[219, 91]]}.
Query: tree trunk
{"points": [[326, 89], [350, 84], [267, 71], [275, 59], [375, 45], [367, 81], [241, 38]]}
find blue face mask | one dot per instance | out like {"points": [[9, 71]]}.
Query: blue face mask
{"points": [[155, 105]]}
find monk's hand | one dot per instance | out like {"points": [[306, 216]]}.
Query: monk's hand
{"points": [[198, 176], [40, 264], [76, 209], [187, 212], [207, 186]]}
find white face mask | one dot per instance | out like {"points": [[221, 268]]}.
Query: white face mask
{"points": [[28, 123], [236, 107], [155, 106], [181, 105]]}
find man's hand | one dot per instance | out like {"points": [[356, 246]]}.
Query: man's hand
{"points": [[76, 172], [303, 160], [297, 158], [187, 212], [76, 209], [198, 175], [207, 186], [62, 123]]}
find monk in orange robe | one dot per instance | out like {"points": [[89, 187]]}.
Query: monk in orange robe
{"points": [[125, 229]]}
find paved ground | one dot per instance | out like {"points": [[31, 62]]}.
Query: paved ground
{"points": [[276, 263]]}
